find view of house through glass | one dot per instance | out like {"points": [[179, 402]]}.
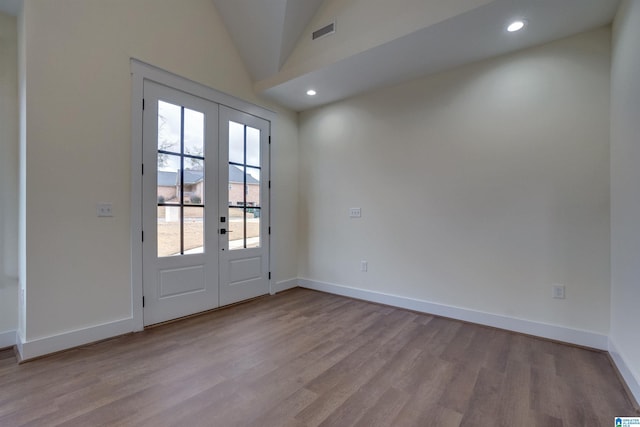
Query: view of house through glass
{"points": [[181, 182], [244, 186]]}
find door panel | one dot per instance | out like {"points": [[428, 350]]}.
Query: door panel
{"points": [[244, 192], [180, 280], [180, 204]]}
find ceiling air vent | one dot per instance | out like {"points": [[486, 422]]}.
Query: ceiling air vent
{"points": [[324, 31]]}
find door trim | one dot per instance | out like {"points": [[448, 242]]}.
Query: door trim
{"points": [[141, 71]]}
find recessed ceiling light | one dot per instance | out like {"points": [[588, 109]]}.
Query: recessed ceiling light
{"points": [[516, 26], [311, 92]]}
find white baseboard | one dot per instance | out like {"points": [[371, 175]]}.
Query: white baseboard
{"points": [[7, 339], [633, 382], [19, 345], [41, 346], [554, 332], [284, 285]]}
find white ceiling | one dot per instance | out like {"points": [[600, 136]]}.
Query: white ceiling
{"points": [[468, 37], [265, 33]]}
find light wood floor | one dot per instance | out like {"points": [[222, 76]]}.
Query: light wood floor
{"points": [[304, 358]]}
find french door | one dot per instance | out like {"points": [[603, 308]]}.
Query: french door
{"points": [[244, 201], [204, 208]]}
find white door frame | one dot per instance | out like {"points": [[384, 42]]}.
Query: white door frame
{"points": [[140, 72]]}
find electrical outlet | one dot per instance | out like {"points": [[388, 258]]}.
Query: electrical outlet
{"points": [[558, 291], [105, 209], [364, 266], [355, 213]]}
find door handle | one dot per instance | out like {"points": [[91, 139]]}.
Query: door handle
{"points": [[225, 231]]}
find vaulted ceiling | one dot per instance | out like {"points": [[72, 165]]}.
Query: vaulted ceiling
{"points": [[381, 42], [266, 31]]}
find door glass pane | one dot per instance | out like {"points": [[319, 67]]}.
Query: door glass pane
{"points": [[253, 187], [168, 178], [168, 231], [236, 185], [193, 187], [253, 146], [236, 142], [169, 121], [244, 186], [193, 132], [193, 230], [181, 180], [253, 227], [236, 228]]}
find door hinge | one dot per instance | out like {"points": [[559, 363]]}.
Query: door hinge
{"points": [[269, 275], [269, 139], [143, 236], [269, 184], [142, 302], [269, 230], [142, 169], [143, 103]]}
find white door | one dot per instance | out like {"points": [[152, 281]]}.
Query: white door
{"points": [[244, 206], [180, 204]]}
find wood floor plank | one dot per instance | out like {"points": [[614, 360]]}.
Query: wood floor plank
{"points": [[385, 410], [514, 407], [284, 410], [459, 389], [402, 353], [484, 406], [426, 387], [305, 358]]}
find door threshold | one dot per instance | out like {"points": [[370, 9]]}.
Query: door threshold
{"points": [[202, 313]]}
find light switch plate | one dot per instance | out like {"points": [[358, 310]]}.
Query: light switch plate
{"points": [[558, 291]]}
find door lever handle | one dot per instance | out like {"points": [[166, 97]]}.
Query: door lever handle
{"points": [[225, 231]]}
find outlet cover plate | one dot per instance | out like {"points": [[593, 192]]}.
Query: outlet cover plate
{"points": [[105, 209]]}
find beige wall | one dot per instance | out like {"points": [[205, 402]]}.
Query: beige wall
{"points": [[8, 175], [625, 190], [479, 187], [78, 129]]}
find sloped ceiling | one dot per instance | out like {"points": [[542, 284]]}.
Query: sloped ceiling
{"points": [[273, 37], [266, 31]]}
